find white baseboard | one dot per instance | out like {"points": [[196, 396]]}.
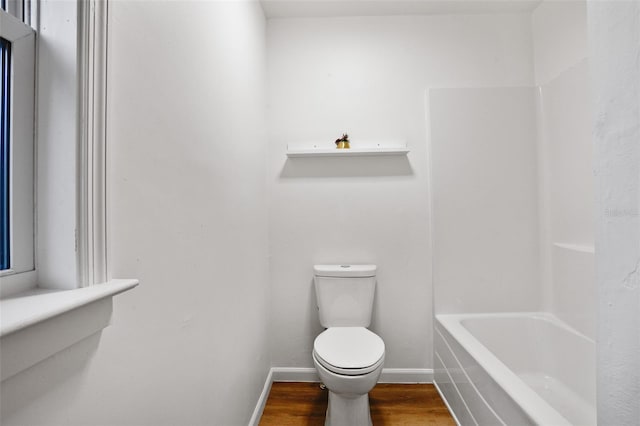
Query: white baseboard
{"points": [[406, 375], [262, 401], [389, 375], [295, 374]]}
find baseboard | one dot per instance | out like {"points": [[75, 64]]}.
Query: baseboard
{"points": [[295, 374], [262, 401], [406, 375], [389, 375]]}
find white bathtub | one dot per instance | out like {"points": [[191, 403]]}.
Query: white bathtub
{"points": [[515, 369]]}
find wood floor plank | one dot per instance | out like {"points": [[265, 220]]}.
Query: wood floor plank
{"points": [[298, 404]]}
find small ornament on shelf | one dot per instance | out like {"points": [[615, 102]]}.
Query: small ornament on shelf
{"points": [[343, 142]]}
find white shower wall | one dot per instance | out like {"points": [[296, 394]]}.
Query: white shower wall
{"points": [[485, 206], [565, 162], [556, 273]]}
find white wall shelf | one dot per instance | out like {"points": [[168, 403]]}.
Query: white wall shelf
{"points": [[359, 149], [576, 247]]}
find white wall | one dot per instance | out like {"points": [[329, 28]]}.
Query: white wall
{"points": [[484, 191], [565, 161], [614, 34], [187, 142], [367, 76]]}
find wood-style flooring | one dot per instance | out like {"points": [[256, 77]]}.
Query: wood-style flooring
{"points": [[296, 404]]}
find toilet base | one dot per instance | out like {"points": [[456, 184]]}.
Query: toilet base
{"points": [[348, 410]]}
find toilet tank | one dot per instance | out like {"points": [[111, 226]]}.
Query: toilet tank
{"points": [[344, 294]]}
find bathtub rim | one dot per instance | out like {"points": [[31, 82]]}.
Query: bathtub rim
{"points": [[529, 401]]}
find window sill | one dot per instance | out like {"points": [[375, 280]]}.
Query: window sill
{"points": [[39, 323], [31, 307]]}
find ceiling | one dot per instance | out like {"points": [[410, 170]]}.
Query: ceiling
{"points": [[332, 8]]}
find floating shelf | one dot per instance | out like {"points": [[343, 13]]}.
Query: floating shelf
{"points": [[576, 247], [364, 149]]}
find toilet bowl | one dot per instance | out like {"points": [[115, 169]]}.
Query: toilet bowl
{"points": [[349, 361]]}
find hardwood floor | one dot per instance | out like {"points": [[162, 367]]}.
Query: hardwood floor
{"points": [[297, 404]]}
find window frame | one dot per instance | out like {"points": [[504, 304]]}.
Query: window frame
{"points": [[5, 128], [69, 33], [21, 270]]}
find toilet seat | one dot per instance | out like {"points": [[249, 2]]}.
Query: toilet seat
{"points": [[349, 351], [347, 371]]}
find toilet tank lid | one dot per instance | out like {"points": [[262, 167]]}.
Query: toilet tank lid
{"points": [[345, 271]]}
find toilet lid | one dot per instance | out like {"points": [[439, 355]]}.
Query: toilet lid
{"points": [[349, 347]]}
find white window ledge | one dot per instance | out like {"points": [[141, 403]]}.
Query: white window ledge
{"points": [[31, 307], [39, 323]]}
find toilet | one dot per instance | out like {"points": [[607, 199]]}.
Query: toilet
{"points": [[347, 356]]}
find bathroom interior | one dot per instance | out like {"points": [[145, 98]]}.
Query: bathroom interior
{"points": [[505, 239]]}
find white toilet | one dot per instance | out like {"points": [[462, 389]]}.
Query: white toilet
{"points": [[348, 357]]}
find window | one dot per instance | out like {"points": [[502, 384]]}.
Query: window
{"points": [[71, 143], [5, 67], [71, 193], [17, 100]]}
